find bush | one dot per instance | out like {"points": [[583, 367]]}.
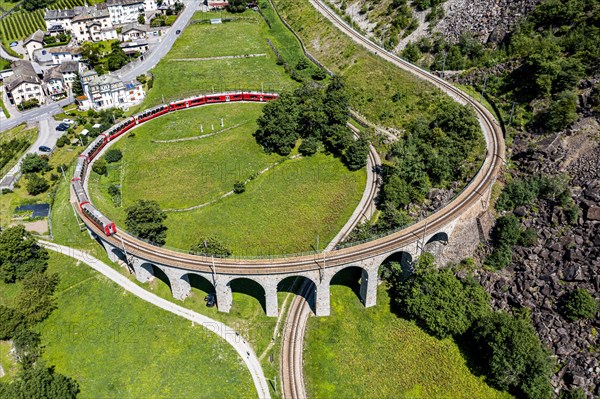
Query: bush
{"points": [[113, 155], [528, 237], [33, 163], [145, 220], [302, 64], [355, 156], [20, 254], [210, 246], [309, 146], [438, 301], [500, 257], [36, 184], [507, 230], [62, 141], [11, 321], [100, 167], [239, 187], [578, 304], [113, 190], [319, 74], [576, 393], [512, 355]]}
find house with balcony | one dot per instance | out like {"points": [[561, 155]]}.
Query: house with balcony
{"points": [[24, 84], [106, 91]]}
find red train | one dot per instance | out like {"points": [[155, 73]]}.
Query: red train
{"points": [[77, 182]]}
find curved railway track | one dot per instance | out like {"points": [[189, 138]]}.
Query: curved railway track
{"points": [[475, 191]]}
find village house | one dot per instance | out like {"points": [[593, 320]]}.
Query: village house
{"points": [[133, 31], [34, 42], [24, 84], [106, 91]]}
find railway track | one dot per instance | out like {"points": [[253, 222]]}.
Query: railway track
{"points": [[475, 191], [292, 377]]}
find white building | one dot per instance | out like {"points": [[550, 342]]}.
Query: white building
{"points": [[24, 84], [133, 31], [93, 24], [106, 91], [127, 11], [34, 42], [54, 83]]}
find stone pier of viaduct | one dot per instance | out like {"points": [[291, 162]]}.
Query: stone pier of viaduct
{"points": [[455, 241]]}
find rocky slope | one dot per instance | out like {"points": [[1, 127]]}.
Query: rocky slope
{"points": [[565, 256]]}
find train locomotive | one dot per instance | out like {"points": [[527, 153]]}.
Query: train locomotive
{"points": [[78, 180]]}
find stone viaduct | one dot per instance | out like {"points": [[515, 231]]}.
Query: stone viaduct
{"points": [[453, 242]]}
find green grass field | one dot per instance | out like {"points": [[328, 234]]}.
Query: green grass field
{"points": [[310, 196], [371, 353], [175, 78], [371, 81], [116, 345]]}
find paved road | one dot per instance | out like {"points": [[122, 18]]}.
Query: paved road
{"points": [[126, 73], [225, 332], [6, 56]]}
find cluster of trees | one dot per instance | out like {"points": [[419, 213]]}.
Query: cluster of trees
{"points": [[316, 116], [236, 6], [145, 220], [523, 192], [555, 46], [507, 348], [33, 166], [22, 259], [10, 148], [101, 62], [434, 152], [210, 246]]}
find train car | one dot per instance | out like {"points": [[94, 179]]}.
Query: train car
{"points": [[121, 128], [260, 97], [197, 101], [80, 168], [217, 98], [98, 219], [180, 104], [82, 197], [151, 114], [270, 96], [97, 145], [235, 96]]}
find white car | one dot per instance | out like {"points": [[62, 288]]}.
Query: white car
{"points": [[68, 121]]}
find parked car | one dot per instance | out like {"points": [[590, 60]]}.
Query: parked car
{"points": [[211, 299], [62, 127], [178, 31], [68, 121], [14, 44], [43, 148]]}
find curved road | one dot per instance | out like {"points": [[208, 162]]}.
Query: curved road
{"points": [[223, 331]]}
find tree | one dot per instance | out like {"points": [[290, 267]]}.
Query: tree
{"points": [[113, 155], [141, 19], [575, 393], [309, 146], [507, 230], [77, 88], [11, 321], [319, 74], [145, 220], [395, 192], [336, 102], [36, 184], [100, 166], [355, 156], [62, 141], [20, 254], [411, 52], [40, 381], [561, 112], [337, 139], [512, 355], [578, 304], [278, 125], [210, 246], [35, 301], [239, 187], [28, 347], [33, 163], [438, 301]]}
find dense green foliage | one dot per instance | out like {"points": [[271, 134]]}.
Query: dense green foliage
{"points": [[33, 163], [442, 304], [20, 255], [554, 47], [40, 381], [522, 192], [512, 356], [113, 155], [36, 184], [578, 304], [100, 166], [145, 220], [316, 116], [575, 393], [210, 246], [9, 149]]}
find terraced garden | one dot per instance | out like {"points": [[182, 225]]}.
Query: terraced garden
{"points": [[283, 210]]}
